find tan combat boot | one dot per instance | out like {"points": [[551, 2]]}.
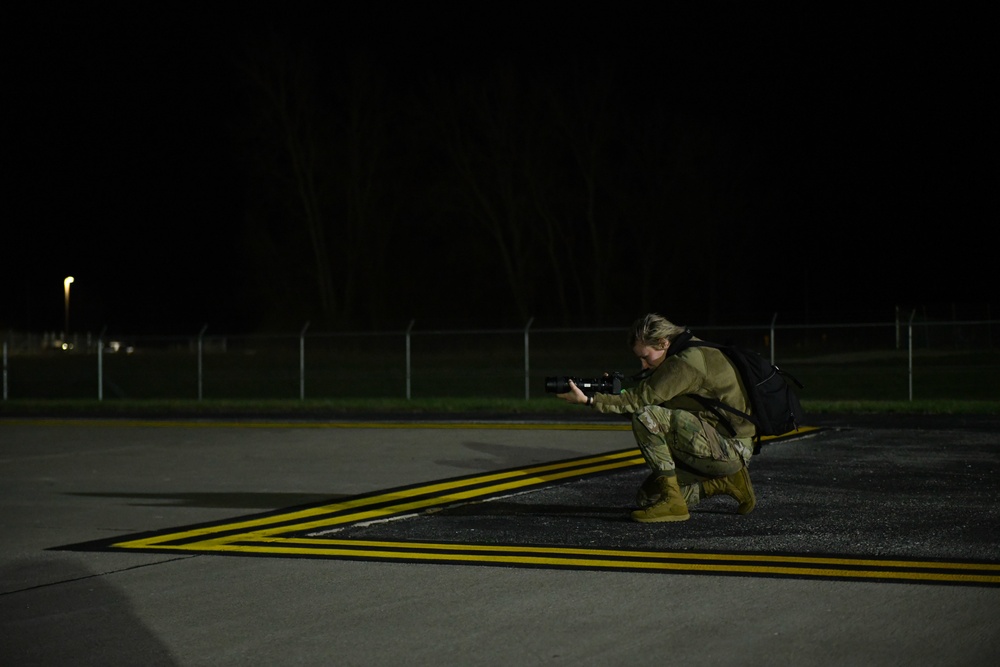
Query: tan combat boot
{"points": [[649, 492], [736, 486], [669, 507]]}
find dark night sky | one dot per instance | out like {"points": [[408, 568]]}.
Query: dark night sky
{"points": [[879, 126]]}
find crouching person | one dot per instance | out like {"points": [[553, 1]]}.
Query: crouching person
{"points": [[688, 457]]}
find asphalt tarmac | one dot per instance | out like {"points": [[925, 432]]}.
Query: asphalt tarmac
{"points": [[875, 541]]}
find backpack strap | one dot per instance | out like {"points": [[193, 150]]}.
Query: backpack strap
{"points": [[713, 405], [682, 341]]}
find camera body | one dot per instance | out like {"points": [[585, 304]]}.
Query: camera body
{"points": [[611, 383]]}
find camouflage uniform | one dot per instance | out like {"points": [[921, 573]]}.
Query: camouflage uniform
{"points": [[675, 434]]}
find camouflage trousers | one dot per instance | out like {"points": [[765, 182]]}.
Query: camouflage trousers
{"points": [[678, 442]]}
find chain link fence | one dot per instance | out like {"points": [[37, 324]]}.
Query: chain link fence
{"points": [[898, 360]]}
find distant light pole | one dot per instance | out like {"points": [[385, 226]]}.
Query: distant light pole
{"points": [[66, 284]]}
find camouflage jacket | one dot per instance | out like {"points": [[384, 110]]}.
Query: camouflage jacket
{"points": [[694, 370]]}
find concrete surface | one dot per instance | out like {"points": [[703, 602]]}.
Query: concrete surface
{"points": [[861, 489]]}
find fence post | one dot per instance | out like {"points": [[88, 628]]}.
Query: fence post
{"points": [[201, 334], [302, 362], [100, 364], [527, 392], [408, 330], [909, 354]]}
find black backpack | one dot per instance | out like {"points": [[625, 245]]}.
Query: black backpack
{"points": [[774, 404]]}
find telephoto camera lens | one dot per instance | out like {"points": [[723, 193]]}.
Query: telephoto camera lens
{"points": [[589, 386]]}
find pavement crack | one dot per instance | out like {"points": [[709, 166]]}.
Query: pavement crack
{"points": [[96, 574]]}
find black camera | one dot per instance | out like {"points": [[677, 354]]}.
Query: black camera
{"points": [[611, 383]]}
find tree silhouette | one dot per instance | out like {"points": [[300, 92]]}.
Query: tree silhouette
{"points": [[319, 137], [490, 137], [518, 193]]}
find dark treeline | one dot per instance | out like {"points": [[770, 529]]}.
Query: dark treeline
{"points": [[254, 166], [577, 190]]}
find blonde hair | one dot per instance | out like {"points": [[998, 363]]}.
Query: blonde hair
{"points": [[650, 329]]}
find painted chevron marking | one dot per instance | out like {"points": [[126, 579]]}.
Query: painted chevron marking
{"points": [[312, 531]]}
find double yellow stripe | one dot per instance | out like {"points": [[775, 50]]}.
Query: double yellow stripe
{"points": [[300, 533]]}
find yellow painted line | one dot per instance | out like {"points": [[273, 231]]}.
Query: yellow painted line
{"points": [[659, 555], [442, 493], [448, 499], [281, 534], [701, 563]]}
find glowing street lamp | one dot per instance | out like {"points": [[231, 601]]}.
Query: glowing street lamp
{"points": [[66, 284]]}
